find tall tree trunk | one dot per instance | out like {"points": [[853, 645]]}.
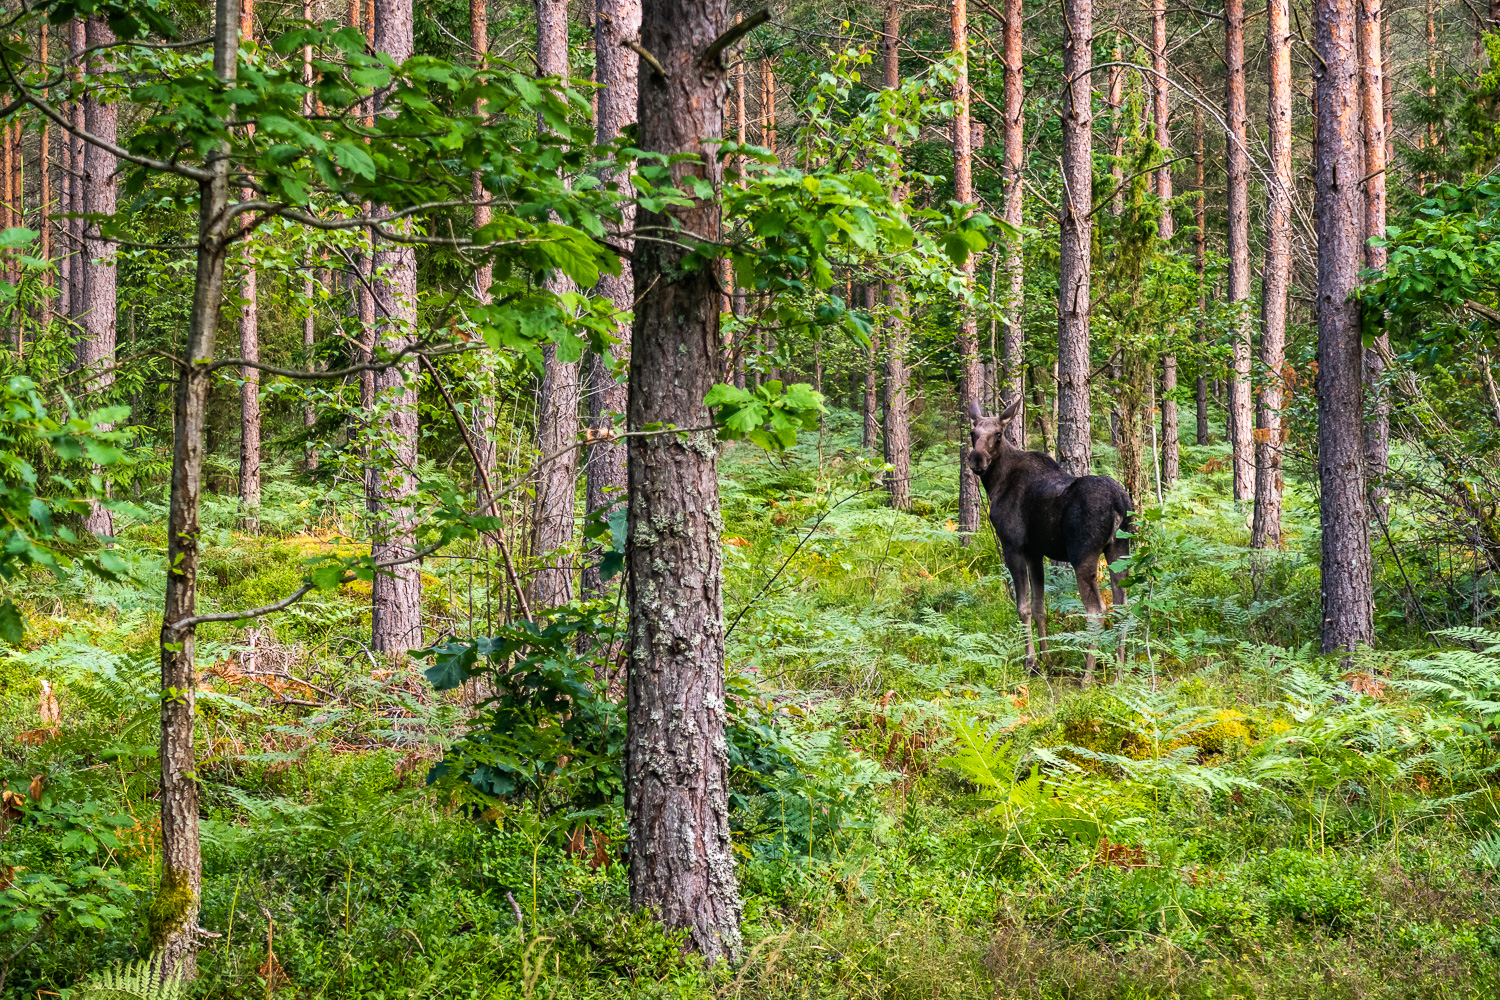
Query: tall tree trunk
{"points": [[486, 410], [1200, 262], [618, 69], [1237, 161], [96, 348], [78, 253], [1372, 106], [871, 438], [249, 347], [1012, 385], [1166, 230], [396, 611], [173, 915], [309, 330], [44, 195], [1074, 432], [557, 404], [1348, 599], [897, 438], [1265, 531], [677, 761], [970, 490]]}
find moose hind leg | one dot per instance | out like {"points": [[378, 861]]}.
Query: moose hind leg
{"points": [[1039, 600], [1087, 573], [1018, 575]]}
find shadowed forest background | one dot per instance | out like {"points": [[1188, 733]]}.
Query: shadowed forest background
{"points": [[487, 507]]}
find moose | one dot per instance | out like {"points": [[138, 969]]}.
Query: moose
{"points": [[1041, 512]]}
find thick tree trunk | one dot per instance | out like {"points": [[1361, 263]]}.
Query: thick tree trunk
{"points": [[396, 611], [1348, 599], [96, 348], [1265, 531], [677, 761], [897, 438], [1372, 105], [1166, 230], [1074, 431], [618, 68], [1012, 379], [249, 349], [557, 404], [172, 917], [1200, 262], [970, 490], [1237, 162]]}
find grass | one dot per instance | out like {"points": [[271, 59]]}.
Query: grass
{"points": [[1238, 817]]}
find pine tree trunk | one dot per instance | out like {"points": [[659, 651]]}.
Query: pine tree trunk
{"points": [[970, 490], [871, 437], [96, 348], [1200, 263], [557, 404], [677, 761], [396, 612], [249, 348], [78, 298], [1074, 431], [1378, 425], [1166, 230], [44, 195], [309, 331], [617, 68], [172, 917], [1237, 162], [897, 438], [1265, 531], [1012, 384], [1348, 599]]}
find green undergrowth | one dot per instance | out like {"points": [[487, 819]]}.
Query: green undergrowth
{"points": [[914, 815]]}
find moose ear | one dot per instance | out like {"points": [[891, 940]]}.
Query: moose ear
{"points": [[1011, 411], [974, 412]]}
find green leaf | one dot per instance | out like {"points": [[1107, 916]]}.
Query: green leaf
{"points": [[12, 625]]}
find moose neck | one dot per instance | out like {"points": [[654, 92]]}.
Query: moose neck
{"points": [[996, 472]]}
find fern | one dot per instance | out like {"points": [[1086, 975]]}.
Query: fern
{"points": [[140, 980], [1463, 680]]}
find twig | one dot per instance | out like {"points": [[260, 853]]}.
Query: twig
{"points": [[711, 54], [640, 50], [516, 907]]}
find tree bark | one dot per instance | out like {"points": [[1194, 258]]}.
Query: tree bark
{"points": [[1012, 380], [677, 762], [618, 70], [78, 253], [897, 438], [1377, 427], [970, 490], [44, 179], [309, 331], [557, 404], [396, 601], [173, 915], [871, 437], [1237, 162], [1200, 262], [96, 348], [1265, 531], [1348, 599], [1074, 432], [249, 347], [1166, 229]]}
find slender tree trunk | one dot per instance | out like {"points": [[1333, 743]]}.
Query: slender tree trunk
{"points": [[897, 438], [1012, 384], [396, 612], [77, 42], [1166, 230], [1348, 599], [557, 405], [1200, 262], [871, 399], [309, 331], [96, 348], [1378, 423], [249, 347], [1237, 161], [173, 915], [618, 70], [1074, 435], [44, 195], [1265, 531], [486, 409], [970, 489], [677, 762]]}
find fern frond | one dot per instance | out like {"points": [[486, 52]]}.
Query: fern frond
{"points": [[140, 980]]}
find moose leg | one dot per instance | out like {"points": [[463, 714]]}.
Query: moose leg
{"points": [[1016, 563], [1117, 550], [1087, 573], [1039, 600]]}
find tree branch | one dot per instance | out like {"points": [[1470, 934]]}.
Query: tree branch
{"points": [[715, 48]]}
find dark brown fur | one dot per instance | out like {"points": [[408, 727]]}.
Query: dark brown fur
{"points": [[1040, 512]]}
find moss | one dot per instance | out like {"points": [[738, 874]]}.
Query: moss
{"points": [[171, 907]]}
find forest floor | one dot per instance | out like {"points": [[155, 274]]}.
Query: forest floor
{"points": [[1235, 816]]}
